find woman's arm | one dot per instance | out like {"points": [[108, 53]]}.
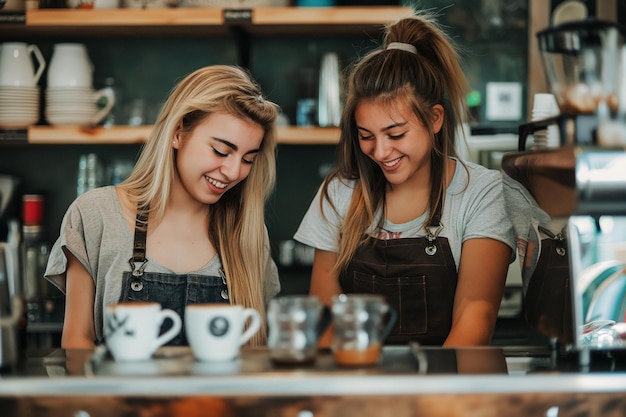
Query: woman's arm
{"points": [[482, 275], [324, 285], [78, 326]]}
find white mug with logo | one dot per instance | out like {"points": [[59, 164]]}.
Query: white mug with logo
{"points": [[216, 331], [132, 329]]}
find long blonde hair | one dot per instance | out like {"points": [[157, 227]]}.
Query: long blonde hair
{"points": [[431, 75], [236, 221]]}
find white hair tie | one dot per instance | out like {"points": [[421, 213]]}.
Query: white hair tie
{"points": [[403, 46]]}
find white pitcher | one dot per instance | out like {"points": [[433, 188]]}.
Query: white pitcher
{"points": [[70, 66], [16, 64]]}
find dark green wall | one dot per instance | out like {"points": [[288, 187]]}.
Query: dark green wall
{"points": [[147, 68]]}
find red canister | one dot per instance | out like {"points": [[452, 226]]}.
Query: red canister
{"points": [[32, 209]]}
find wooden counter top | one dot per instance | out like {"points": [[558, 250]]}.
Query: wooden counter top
{"points": [[486, 382]]}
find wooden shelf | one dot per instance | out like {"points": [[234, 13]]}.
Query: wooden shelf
{"points": [[124, 17], [197, 21], [59, 135], [342, 15], [291, 135], [204, 21]]}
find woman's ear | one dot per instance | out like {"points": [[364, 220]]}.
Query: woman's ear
{"points": [[176, 141], [437, 117]]}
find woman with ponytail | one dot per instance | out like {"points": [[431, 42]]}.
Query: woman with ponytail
{"points": [[401, 215]]}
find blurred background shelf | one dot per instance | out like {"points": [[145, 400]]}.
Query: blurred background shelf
{"points": [[58, 135], [203, 21]]}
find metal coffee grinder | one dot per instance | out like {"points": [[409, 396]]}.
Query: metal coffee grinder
{"points": [[576, 293]]}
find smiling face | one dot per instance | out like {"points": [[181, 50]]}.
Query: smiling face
{"points": [[395, 139], [216, 155]]}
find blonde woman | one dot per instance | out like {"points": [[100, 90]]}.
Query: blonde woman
{"points": [[195, 199], [401, 215]]}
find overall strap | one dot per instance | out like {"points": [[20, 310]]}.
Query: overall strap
{"points": [[138, 261]]}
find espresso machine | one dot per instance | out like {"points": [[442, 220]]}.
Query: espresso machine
{"points": [[10, 282], [576, 291]]}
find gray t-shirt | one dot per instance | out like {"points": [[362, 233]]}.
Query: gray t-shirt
{"points": [[527, 217], [94, 231], [474, 208]]}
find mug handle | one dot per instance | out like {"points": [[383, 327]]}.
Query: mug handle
{"points": [[172, 332], [109, 94], [326, 317], [34, 49], [392, 317], [255, 324]]}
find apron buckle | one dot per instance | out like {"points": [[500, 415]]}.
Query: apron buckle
{"points": [[431, 236], [224, 292], [137, 272]]}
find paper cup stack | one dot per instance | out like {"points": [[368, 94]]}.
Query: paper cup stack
{"points": [[544, 107], [70, 97], [19, 92]]}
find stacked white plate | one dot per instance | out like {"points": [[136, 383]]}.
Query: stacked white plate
{"points": [[71, 106], [19, 106]]}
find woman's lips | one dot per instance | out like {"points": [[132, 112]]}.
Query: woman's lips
{"points": [[391, 165], [216, 185]]}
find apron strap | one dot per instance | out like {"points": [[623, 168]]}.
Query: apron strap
{"points": [[139, 242], [433, 229]]}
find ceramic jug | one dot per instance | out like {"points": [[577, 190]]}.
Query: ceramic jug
{"points": [[70, 66], [16, 64]]}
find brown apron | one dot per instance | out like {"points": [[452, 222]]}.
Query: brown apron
{"points": [[548, 299], [418, 277]]}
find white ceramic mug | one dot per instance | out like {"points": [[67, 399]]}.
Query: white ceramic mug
{"points": [[216, 331], [16, 64], [70, 66], [132, 329], [64, 113]]}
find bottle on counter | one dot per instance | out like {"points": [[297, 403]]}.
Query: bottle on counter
{"points": [[40, 304]]}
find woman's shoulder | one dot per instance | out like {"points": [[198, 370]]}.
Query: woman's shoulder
{"points": [[339, 184], [340, 191], [105, 194], [98, 200], [482, 171], [477, 176]]}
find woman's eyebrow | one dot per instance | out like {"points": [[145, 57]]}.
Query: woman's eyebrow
{"points": [[402, 124], [235, 147]]}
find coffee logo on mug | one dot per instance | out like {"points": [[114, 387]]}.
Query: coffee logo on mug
{"points": [[116, 324], [218, 326]]}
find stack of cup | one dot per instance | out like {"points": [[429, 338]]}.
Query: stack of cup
{"points": [[19, 92], [544, 107], [70, 96]]}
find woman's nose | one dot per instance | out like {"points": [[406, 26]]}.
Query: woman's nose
{"points": [[231, 168], [381, 149]]}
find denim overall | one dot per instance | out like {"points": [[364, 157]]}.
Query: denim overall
{"points": [[417, 276], [173, 291]]}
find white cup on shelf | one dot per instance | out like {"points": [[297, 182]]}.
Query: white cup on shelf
{"points": [[78, 106], [70, 66], [16, 64], [106, 4]]}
